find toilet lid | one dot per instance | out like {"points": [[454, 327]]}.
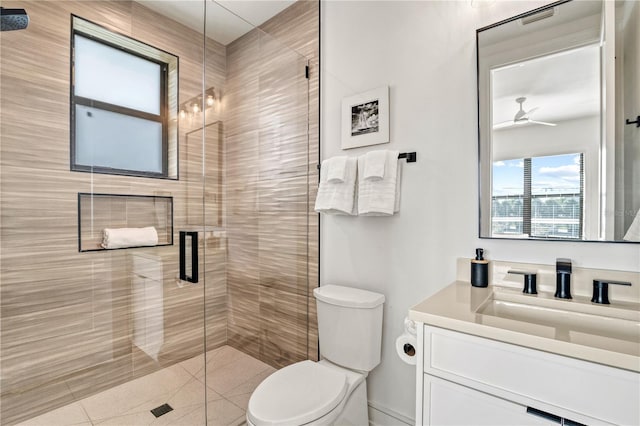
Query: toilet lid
{"points": [[297, 394]]}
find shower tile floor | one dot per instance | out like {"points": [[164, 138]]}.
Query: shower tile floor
{"points": [[231, 377]]}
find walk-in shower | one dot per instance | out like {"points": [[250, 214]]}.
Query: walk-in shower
{"points": [[158, 161]]}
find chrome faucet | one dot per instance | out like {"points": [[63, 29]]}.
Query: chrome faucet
{"points": [[563, 278]]}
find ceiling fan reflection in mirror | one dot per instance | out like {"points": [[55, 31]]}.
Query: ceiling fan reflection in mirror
{"points": [[521, 117]]}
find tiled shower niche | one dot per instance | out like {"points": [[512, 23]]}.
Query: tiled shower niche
{"points": [[97, 212]]}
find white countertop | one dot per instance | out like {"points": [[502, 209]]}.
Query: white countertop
{"points": [[455, 307]]}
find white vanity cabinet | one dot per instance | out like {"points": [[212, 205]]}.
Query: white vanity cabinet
{"points": [[464, 379]]}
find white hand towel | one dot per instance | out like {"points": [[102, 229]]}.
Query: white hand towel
{"points": [[374, 163], [380, 197], [633, 233], [129, 237], [337, 197], [396, 203], [337, 168]]}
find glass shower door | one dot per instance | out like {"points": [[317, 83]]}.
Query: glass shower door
{"points": [[154, 249], [97, 321], [265, 102]]}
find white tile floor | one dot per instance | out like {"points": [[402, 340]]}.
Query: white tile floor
{"points": [[231, 377]]}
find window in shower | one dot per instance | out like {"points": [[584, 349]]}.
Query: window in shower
{"points": [[123, 104]]}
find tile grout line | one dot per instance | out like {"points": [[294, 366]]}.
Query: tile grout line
{"points": [[224, 394], [184, 385], [236, 387], [190, 408], [206, 362], [241, 422], [171, 394], [193, 408], [77, 401], [234, 404], [138, 408]]}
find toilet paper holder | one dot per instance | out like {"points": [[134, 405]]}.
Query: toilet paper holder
{"points": [[406, 343], [409, 326], [409, 349]]}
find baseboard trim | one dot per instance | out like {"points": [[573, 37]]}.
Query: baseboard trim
{"points": [[384, 416]]}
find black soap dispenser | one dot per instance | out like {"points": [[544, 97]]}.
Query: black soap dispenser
{"points": [[479, 270]]}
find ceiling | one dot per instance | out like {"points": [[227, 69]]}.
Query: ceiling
{"points": [[552, 61], [226, 19], [562, 86]]}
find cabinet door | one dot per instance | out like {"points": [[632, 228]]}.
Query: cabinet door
{"points": [[572, 388], [447, 403]]}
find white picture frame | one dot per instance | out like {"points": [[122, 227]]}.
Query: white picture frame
{"points": [[365, 118]]}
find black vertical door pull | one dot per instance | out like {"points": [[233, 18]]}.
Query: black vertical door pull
{"points": [[194, 256]]}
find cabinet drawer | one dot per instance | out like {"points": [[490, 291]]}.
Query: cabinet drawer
{"points": [[446, 403], [570, 387]]}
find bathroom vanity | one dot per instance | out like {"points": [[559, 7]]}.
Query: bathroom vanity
{"points": [[496, 356], [524, 351]]}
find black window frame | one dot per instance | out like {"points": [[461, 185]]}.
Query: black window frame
{"points": [[161, 118]]}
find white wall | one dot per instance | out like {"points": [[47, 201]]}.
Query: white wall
{"points": [[425, 52]]}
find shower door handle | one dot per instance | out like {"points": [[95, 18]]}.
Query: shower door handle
{"points": [[193, 236]]}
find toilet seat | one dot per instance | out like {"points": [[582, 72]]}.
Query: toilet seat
{"points": [[297, 394]]}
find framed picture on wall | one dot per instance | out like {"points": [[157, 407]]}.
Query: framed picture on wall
{"points": [[365, 118]]}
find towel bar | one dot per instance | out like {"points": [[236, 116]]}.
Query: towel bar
{"points": [[637, 122], [411, 157]]}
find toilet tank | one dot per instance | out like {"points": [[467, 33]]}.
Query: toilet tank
{"points": [[350, 326]]}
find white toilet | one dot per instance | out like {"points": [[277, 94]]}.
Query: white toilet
{"points": [[333, 390]]}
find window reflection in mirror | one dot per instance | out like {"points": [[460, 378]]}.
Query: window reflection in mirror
{"points": [[540, 197]]}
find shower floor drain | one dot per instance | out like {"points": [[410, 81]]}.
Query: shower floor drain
{"points": [[161, 410]]}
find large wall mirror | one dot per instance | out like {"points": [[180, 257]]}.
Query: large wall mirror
{"points": [[558, 96]]}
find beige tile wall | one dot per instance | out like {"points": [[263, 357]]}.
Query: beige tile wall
{"points": [[273, 231], [68, 319]]}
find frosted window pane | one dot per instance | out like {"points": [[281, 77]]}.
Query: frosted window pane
{"points": [[116, 77], [108, 139]]}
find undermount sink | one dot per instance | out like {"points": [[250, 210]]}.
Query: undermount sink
{"points": [[576, 320]]}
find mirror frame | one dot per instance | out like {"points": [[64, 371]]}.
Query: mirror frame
{"points": [[480, 142]]}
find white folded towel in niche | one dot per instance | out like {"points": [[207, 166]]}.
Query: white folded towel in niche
{"points": [[633, 233], [380, 197], [374, 164], [337, 197], [337, 168], [129, 237]]}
